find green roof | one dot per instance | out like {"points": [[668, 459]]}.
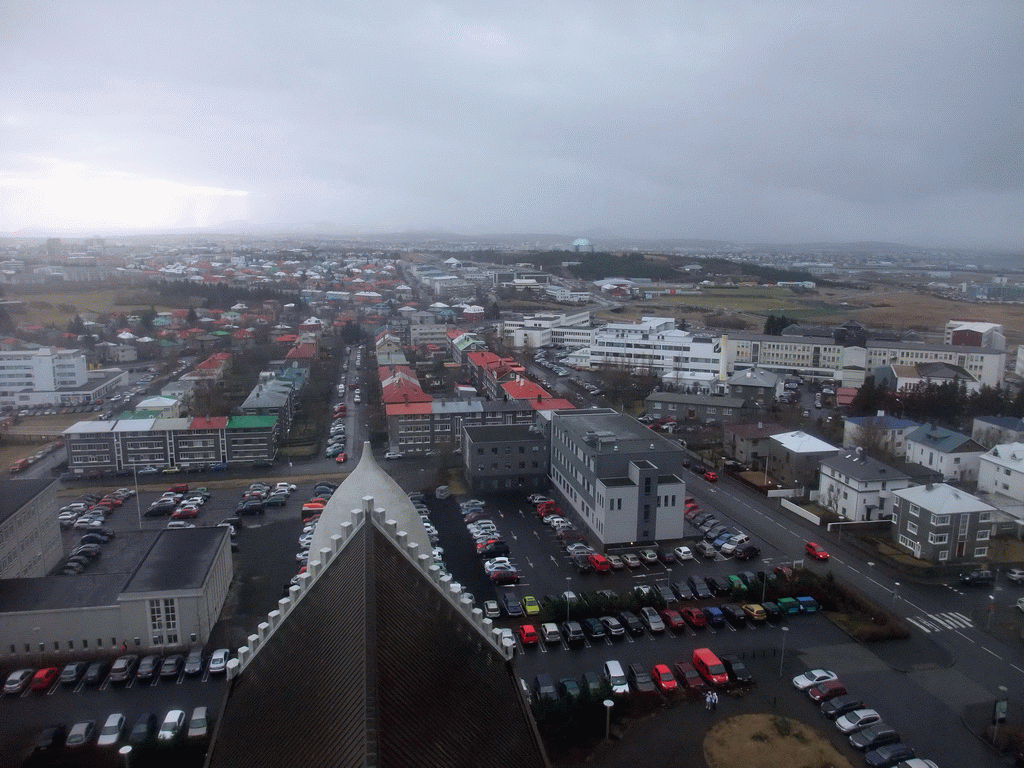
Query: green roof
{"points": [[251, 422]]}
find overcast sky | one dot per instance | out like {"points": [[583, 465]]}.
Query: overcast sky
{"points": [[780, 121]]}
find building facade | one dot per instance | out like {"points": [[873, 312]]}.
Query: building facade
{"points": [[858, 487], [505, 457], [940, 523], [957, 457], [30, 540], [621, 481]]}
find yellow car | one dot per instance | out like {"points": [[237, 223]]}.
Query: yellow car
{"points": [[530, 605]]}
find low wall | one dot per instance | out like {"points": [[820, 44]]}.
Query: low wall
{"points": [[799, 511]]}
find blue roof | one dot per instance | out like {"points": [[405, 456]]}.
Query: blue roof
{"points": [[942, 439], [1003, 422], [884, 422]]}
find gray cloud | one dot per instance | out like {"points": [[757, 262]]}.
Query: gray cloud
{"points": [[749, 120]]}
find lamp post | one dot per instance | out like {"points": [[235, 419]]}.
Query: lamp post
{"points": [[782, 658], [608, 704], [895, 586], [568, 603], [39, 645], [126, 751], [138, 506], [991, 610]]}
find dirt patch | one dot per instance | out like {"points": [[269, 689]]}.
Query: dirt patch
{"points": [[769, 741]]}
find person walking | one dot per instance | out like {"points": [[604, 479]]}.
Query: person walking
{"points": [[714, 701], [707, 701]]}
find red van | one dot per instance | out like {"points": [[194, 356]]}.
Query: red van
{"points": [[710, 666]]}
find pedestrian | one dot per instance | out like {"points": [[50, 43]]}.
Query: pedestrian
{"points": [[707, 700], [714, 701]]}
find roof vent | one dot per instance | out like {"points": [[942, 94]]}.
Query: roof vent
{"points": [[929, 487], [652, 446]]}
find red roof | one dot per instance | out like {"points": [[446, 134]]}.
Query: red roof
{"points": [[552, 405], [302, 352], [524, 389], [408, 409], [214, 362], [404, 391], [217, 422]]}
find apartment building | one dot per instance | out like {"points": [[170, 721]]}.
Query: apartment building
{"points": [[858, 487], [505, 457], [938, 523], [50, 376], [956, 457], [655, 345], [619, 480]]}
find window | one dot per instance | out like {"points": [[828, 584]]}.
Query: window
{"points": [[940, 520], [980, 551], [911, 528], [983, 535], [938, 538], [915, 510], [944, 555]]}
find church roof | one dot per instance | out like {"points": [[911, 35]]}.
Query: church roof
{"points": [[374, 659]]}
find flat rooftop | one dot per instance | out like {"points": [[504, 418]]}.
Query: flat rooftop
{"points": [[179, 559]]}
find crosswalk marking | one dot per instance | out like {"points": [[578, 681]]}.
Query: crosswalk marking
{"points": [[936, 622]]}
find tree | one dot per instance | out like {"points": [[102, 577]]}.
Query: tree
{"points": [[76, 326], [873, 438], [148, 317], [774, 326], [192, 318], [868, 399]]}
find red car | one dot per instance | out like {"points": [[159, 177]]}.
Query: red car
{"points": [[342, 458], [664, 679], [600, 563], [711, 477], [505, 577], [187, 513], [827, 690], [673, 620], [816, 551], [44, 678], [694, 617], [528, 634]]}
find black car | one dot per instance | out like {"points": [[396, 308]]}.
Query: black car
{"points": [[874, 736], [159, 510], [172, 665], [544, 688], [738, 672], [583, 564], [717, 585], [977, 577], [495, 549], [194, 662], [250, 507], [572, 631], [235, 521], [512, 605], [124, 668], [94, 538], [699, 587], [144, 729], [888, 755], [772, 612], [839, 706], [594, 629], [51, 739], [276, 500], [666, 593], [72, 672], [746, 552], [666, 555], [592, 683], [148, 668], [632, 623], [96, 672], [734, 615], [640, 679]]}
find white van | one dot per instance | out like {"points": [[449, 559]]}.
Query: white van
{"points": [[615, 676], [442, 492]]}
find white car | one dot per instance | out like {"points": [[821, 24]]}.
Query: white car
{"points": [[219, 661], [497, 564], [491, 609], [172, 725], [683, 553], [471, 503], [858, 719], [179, 524], [579, 549], [392, 455], [813, 677], [285, 487], [111, 731]]}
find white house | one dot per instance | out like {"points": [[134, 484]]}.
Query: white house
{"points": [[859, 487], [954, 455]]}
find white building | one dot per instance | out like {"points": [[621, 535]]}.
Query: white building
{"points": [[969, 333], [48, 376], [957, 457], [567, 329], [655, 344], [1001, 476], [620, 481], [858, 487]]}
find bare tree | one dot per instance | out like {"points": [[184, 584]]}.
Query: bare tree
{"points": [[875, 440]]}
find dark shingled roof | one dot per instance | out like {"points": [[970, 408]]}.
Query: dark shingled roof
{"points": [[18, 493], [180, 558], [375, 667]]}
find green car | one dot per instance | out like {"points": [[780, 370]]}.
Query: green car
{"points": [[737, 585], [333, 451], [530, 605]]}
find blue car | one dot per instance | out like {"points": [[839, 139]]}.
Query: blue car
{"points": [[219, 467]]}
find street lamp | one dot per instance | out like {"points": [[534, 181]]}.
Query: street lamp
{"points": [[782, 658], [138, 506], [608, 704], [568, 603], [126, 750], [39, 645]]}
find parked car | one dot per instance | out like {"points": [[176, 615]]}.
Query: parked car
{"points": [[612, 626], [172, 665], [72, 672], [889, 755], [112, 730], [874, 736], [632, 623], [813, 677], [194, 662], [858, 719], [977, 577], [827, 690], [572, 631], [198, 724], [649, 616], [96, 672], [840, 705], [149, 667], [689, 678], [124, 668], [640, 679], [81, 734], [737, 670], [663, 678], [171, 727], [51, 739], [219, 661]]}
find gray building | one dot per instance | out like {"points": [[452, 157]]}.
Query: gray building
{"points": [[619, 479], [686, 408], [176, 591], [940, 523], [756, 385], [505, 457], [794, 459], [30, 540]]}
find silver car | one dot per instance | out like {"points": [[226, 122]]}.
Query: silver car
{"points": [[112, 731]]}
